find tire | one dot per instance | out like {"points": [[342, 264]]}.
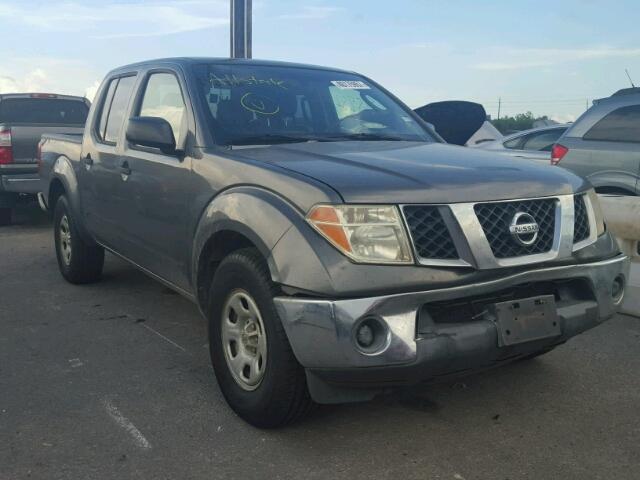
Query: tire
{"points": [[273, 391], [79, 261], [5, 217]]}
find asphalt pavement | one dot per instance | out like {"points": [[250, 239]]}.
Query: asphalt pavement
{"points": [[113, 381]]}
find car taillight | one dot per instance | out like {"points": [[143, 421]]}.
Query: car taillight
{"points": [[6, 152], [557, 153]]}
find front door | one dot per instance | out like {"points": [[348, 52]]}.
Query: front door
{"points": [[158, 185]]}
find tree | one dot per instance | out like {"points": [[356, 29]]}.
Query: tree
{"points": [[522, 121]]}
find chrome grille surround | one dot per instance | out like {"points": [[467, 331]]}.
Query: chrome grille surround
{"points": [[474, 248]]}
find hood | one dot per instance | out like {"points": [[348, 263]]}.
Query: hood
{"points": [[455, 121], [411, 172]]}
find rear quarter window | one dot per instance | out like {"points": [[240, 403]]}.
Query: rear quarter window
{"points": [[43, 111], [621, 125]]}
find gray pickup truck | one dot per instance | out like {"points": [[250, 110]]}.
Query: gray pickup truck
{"points": [[24, 117], [336, 247]]}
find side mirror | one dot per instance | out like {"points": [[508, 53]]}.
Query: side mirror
{"points": [[152, 132]]}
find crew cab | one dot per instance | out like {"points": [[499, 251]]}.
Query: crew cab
{"points": [[334, 244], [24, 117]]}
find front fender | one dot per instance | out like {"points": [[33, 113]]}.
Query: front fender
{"points": [[260, 215]]}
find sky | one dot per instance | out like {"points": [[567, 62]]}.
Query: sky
{"points": [[548, 57]]}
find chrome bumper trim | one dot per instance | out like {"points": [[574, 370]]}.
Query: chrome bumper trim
{"points": [[320, 331]]}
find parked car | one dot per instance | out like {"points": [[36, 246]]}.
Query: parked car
{"points": [[603, 145], [24, 117], [335, 248], [534, 144]]}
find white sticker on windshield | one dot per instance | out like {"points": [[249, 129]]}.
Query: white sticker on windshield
{"points": [[351, 85]]}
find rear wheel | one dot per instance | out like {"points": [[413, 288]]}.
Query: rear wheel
{"points": [[5, 216], [79, 261], [255, 367]]}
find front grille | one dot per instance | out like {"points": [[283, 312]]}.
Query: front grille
{"points": [[581, 229], [430, 234], [496, 218]]}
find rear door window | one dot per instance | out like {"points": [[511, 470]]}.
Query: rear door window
{"points": [[513, 144], [542, 141], [621, 125], [43, 111], [118, 108], [104, 108]]}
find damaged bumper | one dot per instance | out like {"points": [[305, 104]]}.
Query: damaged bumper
{"points": [[441, 332]]}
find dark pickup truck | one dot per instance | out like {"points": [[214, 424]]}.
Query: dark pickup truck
{"points": [[24, 117], [336, 247]]}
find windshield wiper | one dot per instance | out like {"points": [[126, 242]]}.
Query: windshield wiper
{"points": [[270, 138], [364, 137]]}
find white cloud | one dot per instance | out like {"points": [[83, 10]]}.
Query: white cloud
{"points": [[51, 75], [512, 58], [91, 90], [8, 85], [115, 20], [563, 117], [311, 13]]}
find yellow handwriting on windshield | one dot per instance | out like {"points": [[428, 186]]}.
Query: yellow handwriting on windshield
{"points": [[227, 81], [259, 104]]}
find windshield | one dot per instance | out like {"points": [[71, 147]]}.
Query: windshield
{"points": [[257, 105]]}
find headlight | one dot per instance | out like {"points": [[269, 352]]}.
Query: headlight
{"points": [[367, 234], [597, 211]]}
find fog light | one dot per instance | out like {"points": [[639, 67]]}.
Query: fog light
{"points": [[371, 335], [364, 336], [617, 289]]}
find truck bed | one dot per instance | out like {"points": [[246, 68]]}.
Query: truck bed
{"points": [[52, 147]]}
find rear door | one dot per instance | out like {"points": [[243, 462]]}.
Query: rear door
{"points": [[103, 195], [30, 116], [158, 187]]}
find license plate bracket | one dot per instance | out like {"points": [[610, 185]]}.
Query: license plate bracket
{"points": [[526, 320]]}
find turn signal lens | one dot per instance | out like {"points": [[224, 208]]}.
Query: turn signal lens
{"points": [[365, 233]]}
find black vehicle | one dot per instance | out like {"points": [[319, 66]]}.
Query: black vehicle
{"points": [[24, 117], [335, 246]]}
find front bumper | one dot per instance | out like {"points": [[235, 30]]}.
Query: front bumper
{"points": [[321, 332]]}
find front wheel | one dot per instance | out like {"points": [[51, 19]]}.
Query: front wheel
{"points": [[79, 261], [255, 367]]}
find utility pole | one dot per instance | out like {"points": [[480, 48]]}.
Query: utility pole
{"points": [[499, 106], [240, 28]]}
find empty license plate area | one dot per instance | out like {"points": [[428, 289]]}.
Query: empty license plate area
{"points": [[526, 320]]}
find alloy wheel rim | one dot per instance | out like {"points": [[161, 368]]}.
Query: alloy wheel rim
{"points": [[65, 240], [244, 340]]}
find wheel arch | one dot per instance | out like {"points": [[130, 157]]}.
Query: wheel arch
{"points": [[243, 217]]}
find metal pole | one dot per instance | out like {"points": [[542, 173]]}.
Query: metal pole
{"points": [[241, 28]]}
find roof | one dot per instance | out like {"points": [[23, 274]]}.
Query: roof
{"points": [[41, 95], [186, 61]]}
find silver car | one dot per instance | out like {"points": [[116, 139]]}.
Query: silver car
{"points": [[603, 145], [534, 144]]}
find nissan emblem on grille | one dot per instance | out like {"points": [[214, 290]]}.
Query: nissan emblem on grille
{"points": [[524, 228]]}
